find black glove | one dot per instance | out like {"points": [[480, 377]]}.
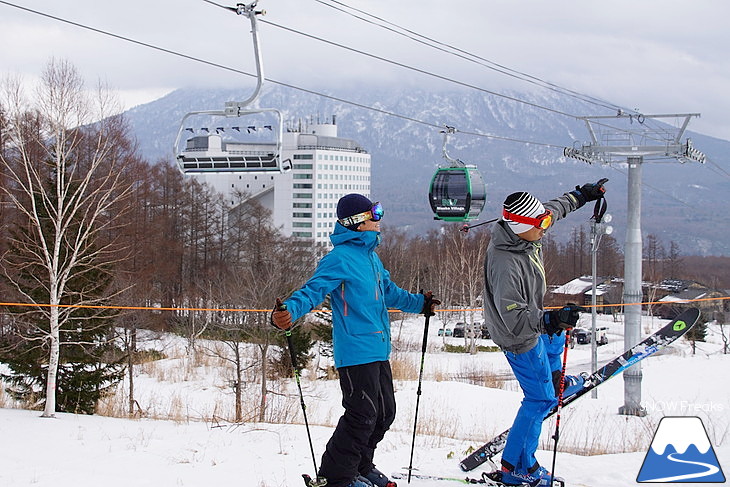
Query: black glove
{"points": [[556, 321], [589, 192], [429, 303]]}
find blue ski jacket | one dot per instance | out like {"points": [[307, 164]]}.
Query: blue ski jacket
{"points": [[360, 292]]}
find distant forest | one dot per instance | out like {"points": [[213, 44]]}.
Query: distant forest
{"points": [[86, 221], [97, 243]]}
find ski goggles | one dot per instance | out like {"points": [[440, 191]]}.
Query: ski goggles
{"points": [[375, 214], [542, 221]]}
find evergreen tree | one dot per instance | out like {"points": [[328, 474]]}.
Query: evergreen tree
{"points": [[698, 333], [89, 361], [302, 341]]}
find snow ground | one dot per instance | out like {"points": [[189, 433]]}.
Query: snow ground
{"points": [[80, 451]]}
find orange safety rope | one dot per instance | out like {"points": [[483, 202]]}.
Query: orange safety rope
{"points": [[243, 310]]}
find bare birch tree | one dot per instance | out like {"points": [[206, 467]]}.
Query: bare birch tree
{"points": [[463, 260], [66, 178]]}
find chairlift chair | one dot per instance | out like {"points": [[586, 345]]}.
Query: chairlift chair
{"points": [[457, 192], [233, 149]]}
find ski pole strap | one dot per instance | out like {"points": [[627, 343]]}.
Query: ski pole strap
{"points": [[599, 209]]}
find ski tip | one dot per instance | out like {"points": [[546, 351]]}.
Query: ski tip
{"points": [[691, 315]]}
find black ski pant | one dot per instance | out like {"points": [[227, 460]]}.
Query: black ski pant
{"points": [[369, 402]]}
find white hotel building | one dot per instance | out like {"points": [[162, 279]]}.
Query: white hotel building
{"points": [[303, 201]]}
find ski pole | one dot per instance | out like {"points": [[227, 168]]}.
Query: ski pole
{"points": [[317, 481], [418, 392], [561, 388], [466, 227]]}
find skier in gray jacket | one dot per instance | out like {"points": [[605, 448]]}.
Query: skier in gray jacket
{"points": [[530, 337]]}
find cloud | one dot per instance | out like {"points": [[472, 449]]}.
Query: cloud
{"points": [[660, 56]]}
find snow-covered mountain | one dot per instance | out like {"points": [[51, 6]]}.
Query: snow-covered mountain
{"points": [[685, 203]]}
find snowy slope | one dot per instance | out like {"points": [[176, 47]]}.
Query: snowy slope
{"points": [[97, 451]]}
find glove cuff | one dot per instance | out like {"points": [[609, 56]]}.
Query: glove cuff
{"points": [[580, 199]]}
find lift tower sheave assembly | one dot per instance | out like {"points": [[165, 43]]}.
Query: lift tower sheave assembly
{"points": [[252, 143], [639, 139]]}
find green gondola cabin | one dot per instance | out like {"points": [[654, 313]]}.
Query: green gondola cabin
{"points": [[457, 194]]}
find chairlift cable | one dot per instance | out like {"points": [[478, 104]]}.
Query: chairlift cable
{"points": [[480, 60], [455, 51], [419, 70], [451, 80], [128, 39], [280, 83], [719, 168], [643, 183], [305, 90]]}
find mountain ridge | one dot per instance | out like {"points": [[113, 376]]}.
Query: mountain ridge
{"points": [[680, 202]]}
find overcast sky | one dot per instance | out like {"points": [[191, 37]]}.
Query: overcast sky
{"points": [[660, 56]]}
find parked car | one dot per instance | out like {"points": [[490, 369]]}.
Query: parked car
{"points": [[485, 332], [460, 330], [583, 336], [445, 332], [476, 329]]}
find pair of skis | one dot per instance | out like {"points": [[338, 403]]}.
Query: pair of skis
{"points": [[647, 347], [486, 479]]}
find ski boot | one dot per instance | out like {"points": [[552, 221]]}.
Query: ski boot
{"points": [[571, 384], [378, 479], [310, 482], [360, 481], [538, 478]]}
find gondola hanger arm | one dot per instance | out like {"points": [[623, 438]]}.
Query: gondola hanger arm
{"points": [[448, 130]]}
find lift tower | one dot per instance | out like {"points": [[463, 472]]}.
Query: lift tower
{"points": [[639, 139]]}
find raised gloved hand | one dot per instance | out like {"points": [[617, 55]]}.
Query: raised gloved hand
{"points": [[556, 321], [429, 304], [589, 192], [280, 317]]}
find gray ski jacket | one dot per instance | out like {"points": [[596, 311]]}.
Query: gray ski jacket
{"points": [[515, 285]]}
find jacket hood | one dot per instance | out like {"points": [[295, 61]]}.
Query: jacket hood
{"points": [[368, 240], [504, 238]]}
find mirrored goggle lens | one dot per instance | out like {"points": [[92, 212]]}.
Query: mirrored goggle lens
{"points": [[546, 221], [377, 212]]}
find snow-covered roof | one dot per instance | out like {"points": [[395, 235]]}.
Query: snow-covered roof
{"points": [[576, 286], [683, 297], [672, 299]]}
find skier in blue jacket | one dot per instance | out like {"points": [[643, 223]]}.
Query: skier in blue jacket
{"points": [[360, 292]]}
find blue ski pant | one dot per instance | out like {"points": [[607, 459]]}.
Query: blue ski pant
{"points": [[533, 370], [369, 402]]}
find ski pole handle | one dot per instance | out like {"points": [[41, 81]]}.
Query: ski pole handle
{"points": [[280, 317]]}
